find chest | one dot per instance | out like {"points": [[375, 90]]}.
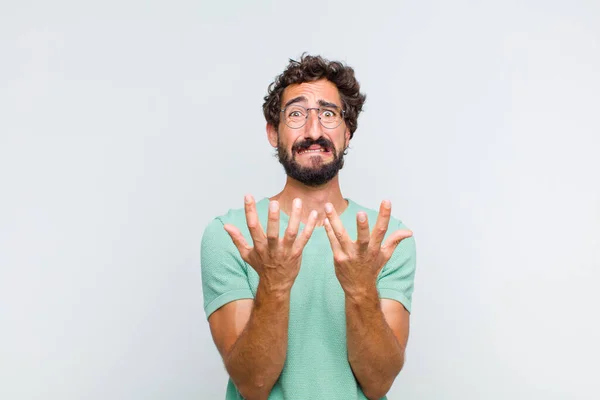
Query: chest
{"points": [[317, 293]]}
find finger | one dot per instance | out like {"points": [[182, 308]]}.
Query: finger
{"points": [[256, 230], [307, 232], [335, 244], [238, 240], [291, 232], [363, 234], [381, 226], [393, 241], [337, 226], [273, 225]]}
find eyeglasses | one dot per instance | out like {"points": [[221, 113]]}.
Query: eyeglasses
{"points": [[295, 116]]}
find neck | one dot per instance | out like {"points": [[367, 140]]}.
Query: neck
{"points": [[313, 198]]}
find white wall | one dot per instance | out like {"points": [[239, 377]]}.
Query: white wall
{"points": [[125, 126]]}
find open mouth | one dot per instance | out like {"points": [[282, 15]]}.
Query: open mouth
{"points": [[314, 149]]}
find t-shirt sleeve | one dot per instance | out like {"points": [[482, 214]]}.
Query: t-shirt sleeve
{"points": [[224, 273], [396, 279]]}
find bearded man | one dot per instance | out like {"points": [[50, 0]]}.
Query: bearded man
{"points": [[315, 306]]}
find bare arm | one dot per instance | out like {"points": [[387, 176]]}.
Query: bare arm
{"points": [[252, 339], [376, 332], [252, 336], [375, 349]]}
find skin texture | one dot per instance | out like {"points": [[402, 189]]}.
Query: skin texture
{"points": [[251, 335], [255, 358], [376, 355]]}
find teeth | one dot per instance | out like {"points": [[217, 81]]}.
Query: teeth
{"points": [[311, 151]]}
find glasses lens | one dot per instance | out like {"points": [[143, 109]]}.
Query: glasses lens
{"points": [[330, 117], [295, 116]]}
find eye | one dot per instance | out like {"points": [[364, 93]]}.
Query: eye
{"points": [[328, 113], [295, 112]]}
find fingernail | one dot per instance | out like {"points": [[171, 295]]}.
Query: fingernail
{"points": [[297, 203], [273, 205], [328, 207], [248, 199], [387, 204], [326, 221], [362, 217], [313, 214]]}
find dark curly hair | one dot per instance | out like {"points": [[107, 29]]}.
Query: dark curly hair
{"points": [[309, 69]]}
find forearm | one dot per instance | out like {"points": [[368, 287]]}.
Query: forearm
{"points": [[374, 353], [255, 361]]}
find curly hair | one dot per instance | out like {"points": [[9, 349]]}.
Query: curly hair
{"points": [[310, 69]]}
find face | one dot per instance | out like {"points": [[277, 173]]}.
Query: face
{"points": [[312, 154]]}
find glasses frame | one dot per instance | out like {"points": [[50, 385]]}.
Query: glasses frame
{"points": [[343, 113]]}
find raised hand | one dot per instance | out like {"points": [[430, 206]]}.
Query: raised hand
{"points": [[276, 260], [358, 263]]}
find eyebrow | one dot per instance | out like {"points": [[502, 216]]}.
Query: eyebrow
{"points": [[295, 100], [322, 103]]}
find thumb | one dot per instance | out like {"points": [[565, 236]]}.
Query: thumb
{"points": [[393, 241]]}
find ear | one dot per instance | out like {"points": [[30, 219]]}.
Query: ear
{"points": [[272, 135], [347, 137]]}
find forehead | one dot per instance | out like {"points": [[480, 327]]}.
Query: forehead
{"points": [[313, 91]]}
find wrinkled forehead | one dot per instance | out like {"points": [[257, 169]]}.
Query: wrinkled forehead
{"points": [[312, 93]]}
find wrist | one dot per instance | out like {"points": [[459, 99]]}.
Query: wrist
{"points": [[362, 294], [273, 292]]}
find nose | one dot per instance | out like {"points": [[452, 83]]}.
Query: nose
{"points": [[313, 127]]}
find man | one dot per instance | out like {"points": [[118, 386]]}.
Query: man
{"points": [[315, 306]]}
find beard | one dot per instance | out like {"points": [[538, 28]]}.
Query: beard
{"points": [[319, 173]]}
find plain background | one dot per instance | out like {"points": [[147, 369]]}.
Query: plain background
{"points": [[126, 126]]}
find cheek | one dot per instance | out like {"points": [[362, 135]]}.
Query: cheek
{"points": [[286, 139], [341, 142]]}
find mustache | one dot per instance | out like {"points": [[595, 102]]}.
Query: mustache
{"points": [[305, 144]]}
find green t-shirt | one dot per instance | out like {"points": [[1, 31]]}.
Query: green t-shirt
{"points": [[316, 366]]}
